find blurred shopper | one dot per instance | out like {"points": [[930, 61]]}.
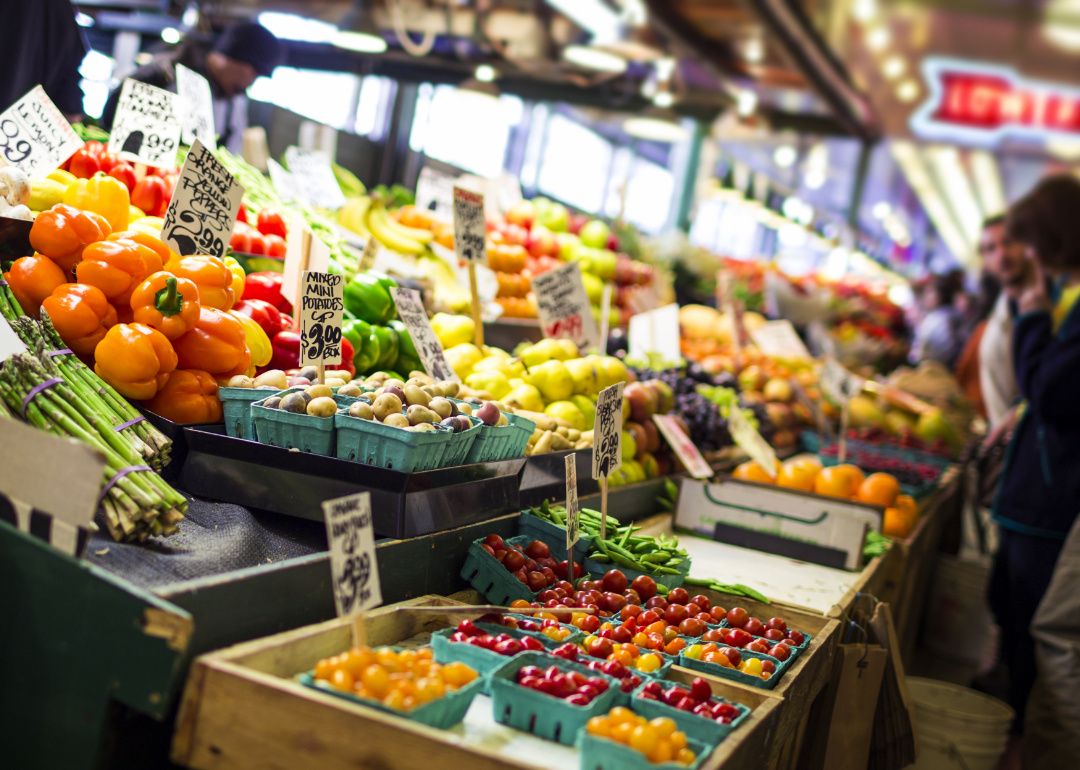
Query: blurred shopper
{"points": [[1040, 491], [938, 336], [42, 45], [969, 365], [242, 53]]}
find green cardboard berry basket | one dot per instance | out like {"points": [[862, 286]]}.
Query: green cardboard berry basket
{"points": [[236, 408], [500, 442], [796, 649], [671, 581], [457, 449], [289, 430], [715, 669], [373, 443], [605, 754], [697, 727], [536, 528], [538, 713], [484, 573]]}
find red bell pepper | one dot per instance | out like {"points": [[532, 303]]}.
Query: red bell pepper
{"points": [[242, 215], [271, 223], [346, 362], [267, 286], [286, 344], [84, 163], [109, 161], [263, 313], [125, 173], [151, 195]]}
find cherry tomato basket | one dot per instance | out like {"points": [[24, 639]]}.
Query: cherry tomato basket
{"points": [[541, 714], [457, 449], [670, 581], [715, 669], [374, 443], [289, 430], [796, 649], [236, 407], [492, 579], [545, 531], [500, 442], [699, 728], [605, 754]]}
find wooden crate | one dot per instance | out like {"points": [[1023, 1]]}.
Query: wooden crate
{"points": [[242, 708]]}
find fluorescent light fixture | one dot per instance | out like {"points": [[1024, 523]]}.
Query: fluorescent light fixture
{"points": [[663, 99], [878, 38], [881, 210], [814, 180], [191, 16], [289, 26], [785, 156], [864, 10], [657, 125], [987, 178], [170, 35], [911, 162], [908, 91], [83, 19], [894, 67], [746, 103], [477, 87], [594, 59], [753, 50], [485, 73], [357, 30], [591, 15]]}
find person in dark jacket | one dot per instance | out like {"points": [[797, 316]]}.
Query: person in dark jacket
{"points": [[43, 46], [1040, 492], [242, 53]]}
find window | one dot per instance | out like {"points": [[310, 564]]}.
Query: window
{"points": [[326, 97], [96, 69], [575, 164], [464, 128], [648, 196]]}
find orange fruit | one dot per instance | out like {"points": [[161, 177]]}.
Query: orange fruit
{"points": [[751, 471], [879, 489], [907, 503], [897, 523], [836, 482], [855, 473], [797, 476]]}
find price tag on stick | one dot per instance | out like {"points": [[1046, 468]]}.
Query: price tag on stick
{"points": [[573, 511], [34, 136], [747, 437], [147, 125], [314, 179], [564, 307], [204, 206], [321, 310], [607, 443], [371, 251], [470, 243], [840, 385], [688, 453], [778, 339], [411, 311], [198, 117], [354, 568], [605, 319]]}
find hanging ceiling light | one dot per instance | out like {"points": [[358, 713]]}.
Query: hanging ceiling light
{"points": [[357, 30], [476, 86], [656, 124], [592, 58]]}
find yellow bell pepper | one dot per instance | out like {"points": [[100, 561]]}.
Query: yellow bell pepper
{"points": [[452, 330], [134, 212], [45, 193], [239, 278], [103, 195], [257, 340], [66, 178], [149, 225]]}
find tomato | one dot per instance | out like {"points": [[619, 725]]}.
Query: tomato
{"points": [[271, 223], [247, 240], [109, 161], [125, 173], [151, 195], [275, 246], [84, 164], [242, 215]]}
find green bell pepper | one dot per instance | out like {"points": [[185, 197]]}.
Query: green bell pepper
{"points": [[386, 282], [365, 344], [408, 358], [367, 298], [388, 346]]}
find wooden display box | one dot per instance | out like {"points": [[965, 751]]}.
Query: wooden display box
{"points": [[243, 708]]}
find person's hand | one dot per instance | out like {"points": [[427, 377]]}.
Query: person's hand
{"points": [[1034, 297], [1002, 429]]}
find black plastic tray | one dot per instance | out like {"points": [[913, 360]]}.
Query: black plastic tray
{"points": [[175, 432], [545, 477], [296, 483]]}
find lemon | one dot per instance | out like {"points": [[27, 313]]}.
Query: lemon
{"points": [[453, 330], [511, 367], [633, 470], [568, 411]]}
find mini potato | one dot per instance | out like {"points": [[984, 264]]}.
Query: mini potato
{"points": [[418, 414], [334, 382], [323, 406], [319, 391], [414, 395], [396, 420], [294, 402], [275, 378], [361, 409], [351, 389], [441, 407], [310, 372], [241, 381]]}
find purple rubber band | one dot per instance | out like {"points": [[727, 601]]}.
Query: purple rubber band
{"points": [[129, 423], [4, 283], [37, 389], [63, 352], [118, 476]]}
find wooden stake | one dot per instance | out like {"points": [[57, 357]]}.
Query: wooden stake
{"points": [[603, 507], [359, 630], [605, 316], [305, 260], [479, 333], [842, 452], [321, 369]]}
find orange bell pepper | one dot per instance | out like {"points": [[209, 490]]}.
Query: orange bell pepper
{"points": [[81, 315], [216, 345], [103, 195], [211, 275], [189, 396], [149, 241], [167, 303], [62, 232], [135, 359], [32, 279], [117, 267]]}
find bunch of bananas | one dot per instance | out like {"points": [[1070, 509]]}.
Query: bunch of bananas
{"points": [[367, 216]]}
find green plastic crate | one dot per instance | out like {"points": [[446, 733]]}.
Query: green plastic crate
{"points": [[236, 408], [715, 669], [545, 531], [457, 449], [486, 661], [605, 754], [671, 581], [295, 431], [696, 727], [500, 443], [484, 573], [538, 713], [372, 443], [796, 649]]}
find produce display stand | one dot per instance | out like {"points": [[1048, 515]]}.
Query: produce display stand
{"points": [[545, 477], [242, 708]]}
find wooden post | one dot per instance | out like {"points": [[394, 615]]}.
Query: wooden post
{"points": [[321, 369], [305, 260], [359, 630], [725, 303], [603, 507], [477, 322], [842, 452], [605, 315]]}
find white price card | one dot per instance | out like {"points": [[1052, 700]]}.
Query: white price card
{"points": [[354, 568], [838, 383], [282, 181], [147, 125], [688, 453], [573, 510], [435, 192], [28, 483], [204, 206], [34, 136], [317, 259], [778, 339], [371, 251], [564, 306], [322, 305], [10, 344], [414, 316], [470, 226], [314, 178], [197, 119], [607, 431], [751, 442], [656, 331]]}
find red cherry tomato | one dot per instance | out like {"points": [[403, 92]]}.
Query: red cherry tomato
{"points": [[275, 246], [124, 172], [84, 163], [271, 223]]}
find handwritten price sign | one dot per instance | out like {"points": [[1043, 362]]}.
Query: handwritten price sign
{"points": [[147, 125], [321, 311], [573, 509], [411, 311], [203, 210], [607, 432], [564, 307], [353, 565], [470, 227], [198, 118], [314, 178], [34, 135]]}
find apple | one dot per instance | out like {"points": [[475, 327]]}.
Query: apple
{"points": [[542, 243], [653, 441], [522, 214], [555, 217], [594, 234], [642, 404]]}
